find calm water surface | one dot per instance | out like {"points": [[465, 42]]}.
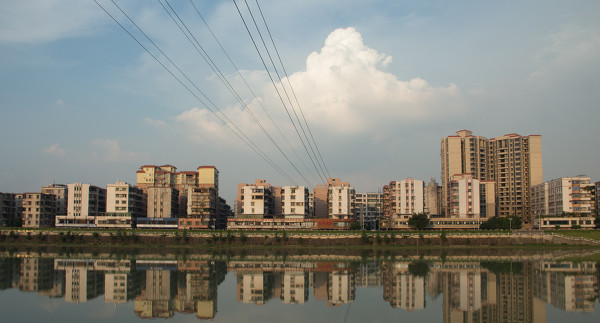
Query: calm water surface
{"points": [[458, 288]]}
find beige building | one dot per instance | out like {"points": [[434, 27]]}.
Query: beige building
{"points": [[39, 210], [163, 202], [255, 201], [60, 191], [124, 204], [512, 161], [84, 203], [401, 200], [334, 200], [565, 195], [294, 202]]}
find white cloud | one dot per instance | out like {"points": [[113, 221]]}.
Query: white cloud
{"points": [[38, 21], [55, 150], [112, 152], [344, 89], [59, 102]]}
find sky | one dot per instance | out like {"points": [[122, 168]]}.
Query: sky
{"points": [[379, 84]]}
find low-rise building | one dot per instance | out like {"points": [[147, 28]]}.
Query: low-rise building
{"points": [[401, 200], [124, 204], [84, 203], [8, 209], [294, 202], [39, 210], [162, 208], [368, 209], [560, 202], [60, 192]]}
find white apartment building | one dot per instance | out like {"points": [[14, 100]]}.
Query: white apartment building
{"points": [[256, 200], [294, 202], [564, 202], [124, 204], [341, 202], [84, 203]]}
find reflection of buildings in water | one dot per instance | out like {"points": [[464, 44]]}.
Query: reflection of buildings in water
{"points": [[469, 292], [320, 286], [571, 287], [294, 287], [82, 281], [402, 289], [197, 284], [157, 297], [121, 287], [10, 269], [505, 294], [341, 288], [255, 287], [38, 275], [368, 274]]}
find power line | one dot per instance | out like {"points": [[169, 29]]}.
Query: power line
{"points": [[280, 80], [224, 80], [240, 135], [277, 90], [292, 88], [250, 89]]}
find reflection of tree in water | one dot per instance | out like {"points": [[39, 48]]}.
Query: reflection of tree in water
{"points": [[419, 268]]}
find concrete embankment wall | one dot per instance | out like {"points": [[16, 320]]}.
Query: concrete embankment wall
{"points": [[257, 238]]}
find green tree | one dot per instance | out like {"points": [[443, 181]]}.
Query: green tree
{"points": [[354, 226], [419, 221], [419, 268]]}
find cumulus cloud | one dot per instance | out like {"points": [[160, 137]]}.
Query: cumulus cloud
{"points": [[112, 152], [37, 21], [55, 150], [345, 89]]}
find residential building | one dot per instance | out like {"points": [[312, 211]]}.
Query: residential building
{"points": [[39, 210], [401, 200], [597, 198], [162, 208], [255, 201], [84, 203], [368, 209], [202, 208], [564, 202], [8, 209], [433, 198], [323, 195], [294, 202], [124, 204], [512, 161], [60, 192], [152, 175]]}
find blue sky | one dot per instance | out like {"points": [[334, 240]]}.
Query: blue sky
{"points": [[380, 83]]}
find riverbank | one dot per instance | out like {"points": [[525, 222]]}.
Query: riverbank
{"points": [[297, 239]]}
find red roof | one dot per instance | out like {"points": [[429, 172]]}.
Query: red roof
{"points": [[206, 167]]}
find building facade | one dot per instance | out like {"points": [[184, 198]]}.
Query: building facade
{"points": [[162, 208], [401, 200], [60, 192], [39, 210], [564, 202], [8, 209], [368, 209], [124, 204], [512, 161], [84, 203], [294, 202]]}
